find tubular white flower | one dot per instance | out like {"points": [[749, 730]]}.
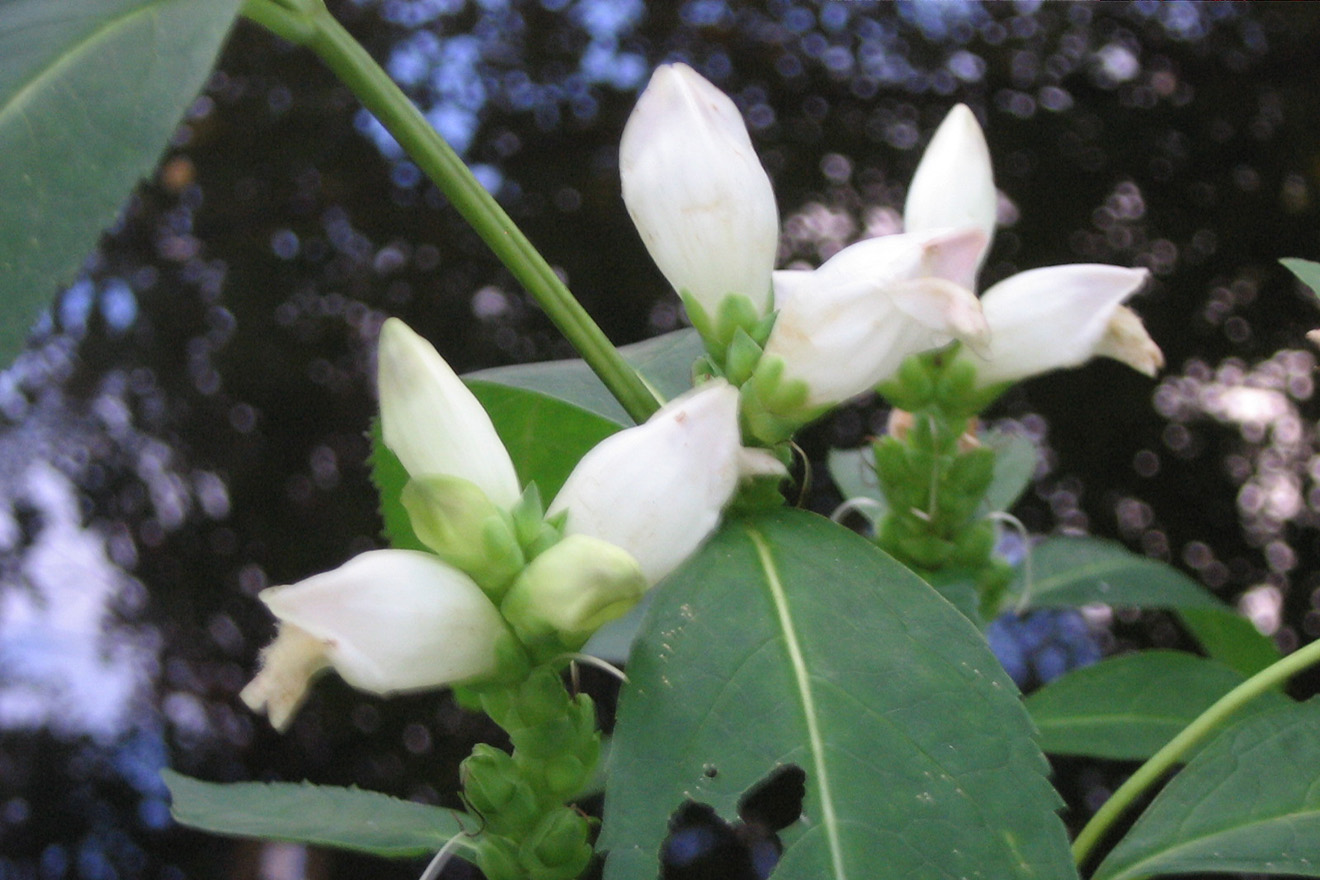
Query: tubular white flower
{"points": [[386, 621], [657, 490], [954, 184], [696, 191], [1062, 316], [433, 423], [845, 327]]}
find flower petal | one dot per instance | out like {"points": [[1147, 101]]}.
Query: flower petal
{"points": [[1056, 317], [1126, 340], [954, 183], [697, 192], [433, 423], [847, 326], [386, 621], [657, 490]]}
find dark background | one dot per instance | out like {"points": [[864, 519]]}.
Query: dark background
{"points": [[190, 415]]}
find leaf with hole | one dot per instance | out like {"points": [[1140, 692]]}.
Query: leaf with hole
{"points": [[789, 639]]}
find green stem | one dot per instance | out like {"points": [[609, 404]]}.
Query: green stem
{"points": [[1207, 723], [321, 33]]}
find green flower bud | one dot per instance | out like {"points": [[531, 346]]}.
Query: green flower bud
{"points": [[956, 385], [559, 848], [913, 386], [494, 787], [497, 857], [773, 407], [456, 519], [974, 546], [571, 590], [972, 472]]}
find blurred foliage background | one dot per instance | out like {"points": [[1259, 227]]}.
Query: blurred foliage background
{"points": [[187, 423]]}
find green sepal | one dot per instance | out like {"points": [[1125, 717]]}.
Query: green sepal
{"points": [[741, 358], [972, 472], [456, 520], [497, 857], [975, 545], [495, 789], [955, 389], [559, 848], [735, 312], [703, 323], [913, 386], [773, 408], [760, 331], [703, 370], [528, 515]]}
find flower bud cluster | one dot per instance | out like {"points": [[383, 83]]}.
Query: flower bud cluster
{"points": [[706, 211], [935, 476], [528, 831]]}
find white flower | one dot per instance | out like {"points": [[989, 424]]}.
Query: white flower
{"points": [[433, 423], [1062, 316], [386, 621], [846, 326], [954, 184], [697, 192], [657, 490]]}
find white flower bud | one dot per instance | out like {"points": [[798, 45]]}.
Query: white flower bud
{"points": [[657, 490], [954, 184], [433, 423], [696, 191], [846, 327], [1062, 316], [386, 621]]}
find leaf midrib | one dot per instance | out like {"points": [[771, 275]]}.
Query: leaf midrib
{"points": [[802, 679]]}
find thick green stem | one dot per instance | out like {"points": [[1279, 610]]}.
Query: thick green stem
{"points": [[321, 33], [1210, 721]]}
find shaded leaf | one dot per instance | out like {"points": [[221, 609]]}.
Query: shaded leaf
{"points": [[545, 436], [1070, 572], [1248, 803], [665, 362], [90, 93], [347, 818], [1129, 707], [1307, 271], [791, 639], [1230, 638]]}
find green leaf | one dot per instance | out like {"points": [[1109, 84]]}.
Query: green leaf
{"points": [[1230, 638], [90, 93], [1248, 803], [791, 639], [665, 362], [1068, 572], [348, 818], [853, 471], [1307, 272], [545, 436], [1127, 708]]}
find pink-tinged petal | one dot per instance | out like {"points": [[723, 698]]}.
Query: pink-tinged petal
{"points": [[954, 183]]}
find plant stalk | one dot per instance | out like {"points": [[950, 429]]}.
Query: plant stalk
{"points": [[350, 62], [1207, 723]]}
